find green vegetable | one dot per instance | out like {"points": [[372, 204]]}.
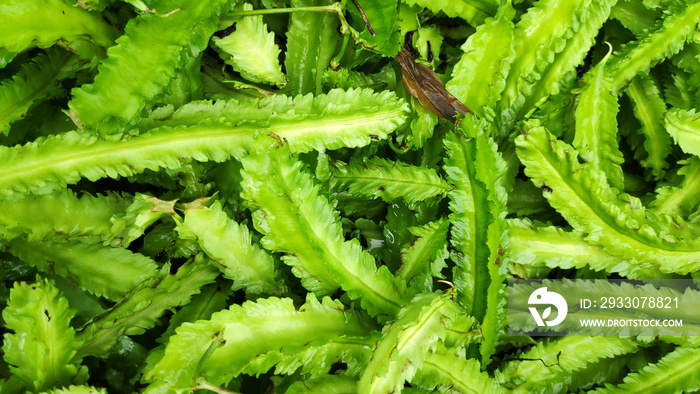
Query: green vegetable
{"points": [[249, 197], [31, 24], [425, 257], [34, 82], [302, 223], [448, 369], [311, 40], [661, 42], [252, 49], [142, 306], [43, 343], [682, 199], [670, 374], [229, 245], [64, 217], [560, 361], [127, 81], [473, 12], [479, 77], [387, 180], [550, 40], [618, 222], [220, 348], [406, 342], [650, 109], [82, 263], [596, 125], [685, 129], [61, 159]]}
